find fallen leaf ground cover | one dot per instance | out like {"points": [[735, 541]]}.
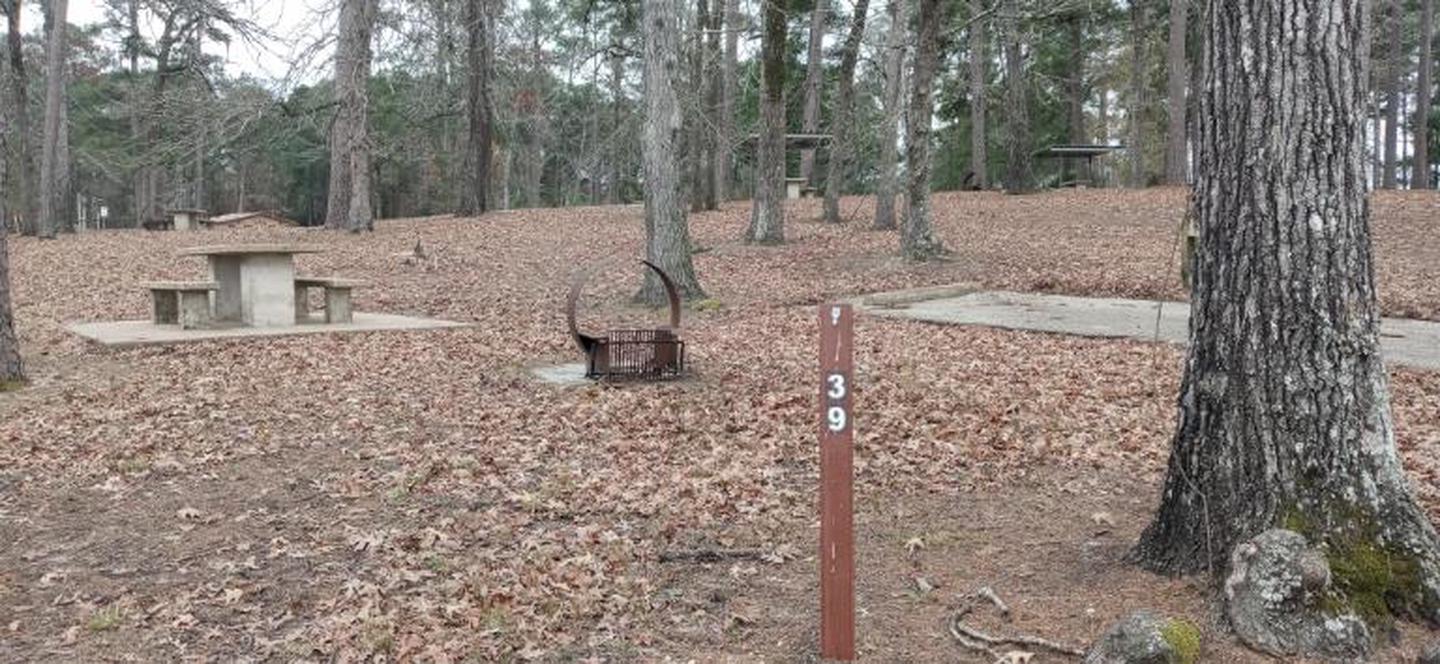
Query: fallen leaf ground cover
{"points": [[420, 496]]}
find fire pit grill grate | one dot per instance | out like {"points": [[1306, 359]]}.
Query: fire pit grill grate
{"points": [[633, 354], [637, 354]]}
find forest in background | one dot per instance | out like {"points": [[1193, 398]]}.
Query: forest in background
{"points": [[152, 121]]}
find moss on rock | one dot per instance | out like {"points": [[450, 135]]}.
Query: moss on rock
{"points": [[1376, 583], [1183, 639]]}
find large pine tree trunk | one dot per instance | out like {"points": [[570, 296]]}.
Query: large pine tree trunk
{"points": [[615, 156], [698, 135], [12, 369], [917, 238], [844, 114], [1176, 157], [1422, 96], [349, 205], [889, 185], [725, 111], [814, 77], [1284, 410], [64, 188], [475, 187], [1393, 68], [767, 217], [51, 160], [729, 71], [667, 232], [1075, 88], [1019, 170], [979, 58], [1135, 112], [20, 114], [711, 83], [140, 200]]}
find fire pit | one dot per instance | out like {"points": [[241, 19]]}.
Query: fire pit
{"points": [[632, 354]]}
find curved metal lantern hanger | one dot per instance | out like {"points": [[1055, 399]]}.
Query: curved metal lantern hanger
{"points": [[587, 341]]}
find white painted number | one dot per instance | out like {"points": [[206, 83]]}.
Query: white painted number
{"points": [[837, 419], [837, 386]]}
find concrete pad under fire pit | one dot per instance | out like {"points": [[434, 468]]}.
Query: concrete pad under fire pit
{"points": [[564, 375], [1403, 341], [121, 334]]}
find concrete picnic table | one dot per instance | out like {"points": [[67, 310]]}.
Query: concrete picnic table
{"points": [[255, 282]]}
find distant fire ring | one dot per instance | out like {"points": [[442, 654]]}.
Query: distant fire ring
{"points": [[631, 354]]}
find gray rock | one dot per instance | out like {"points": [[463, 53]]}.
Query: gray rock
{"points": [[1145, 638], [1430, 655], [1273, 598]]}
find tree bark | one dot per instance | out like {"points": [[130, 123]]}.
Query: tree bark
{"points": [[712, 84], [729, 67], [889, 184], [1102, 115], [197, 199], [1176, 154], [1019, 170], [725, 109], [1393, 69], [23, 163], [617, 102], [1423, 94], [667, 232], [1284, 409], [1075, 82], [917, 239], [814, 76], [979, 58], [696, 153], [141, 196], [52, 180], [767, 217], [1137, 95], [474, 192], [349, 205], [12, 367], [844, 114]]}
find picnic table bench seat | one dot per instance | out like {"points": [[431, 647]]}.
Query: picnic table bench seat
{"points": [[186, 303], [337, 297]]}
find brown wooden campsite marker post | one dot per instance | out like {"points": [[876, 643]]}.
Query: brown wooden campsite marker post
{"points": [[837, 528]]}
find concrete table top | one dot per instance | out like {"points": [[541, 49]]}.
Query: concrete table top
{"points": [[180, 285], [250, 249]]}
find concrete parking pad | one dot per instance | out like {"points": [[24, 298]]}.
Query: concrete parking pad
{"points": [[120, 334], [1406, 342]]}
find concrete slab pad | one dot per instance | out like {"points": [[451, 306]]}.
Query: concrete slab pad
{"points": [[1405, 342], [564, 375], [121, 334]]}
